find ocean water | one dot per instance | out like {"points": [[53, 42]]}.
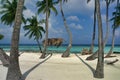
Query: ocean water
{"points": [[75, 48]]}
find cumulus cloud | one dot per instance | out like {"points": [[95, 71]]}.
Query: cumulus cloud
{"points": [[28, 13], [73, 18], [75, 6], [81, 7], [76, 26]]}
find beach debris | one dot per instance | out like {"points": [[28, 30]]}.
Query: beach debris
{"points": [[85, 51]]}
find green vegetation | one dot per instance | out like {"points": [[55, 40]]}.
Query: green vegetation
{"points": [[34, 29]]}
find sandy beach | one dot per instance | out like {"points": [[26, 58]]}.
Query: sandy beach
{"points": [[53, 67]]}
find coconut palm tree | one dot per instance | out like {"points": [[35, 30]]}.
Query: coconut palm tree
{"points": [[116, 24], [34, 29], [107, 20], [99, 72], [67, 52], [14, 72], [94, 29], [93, 56], [46, 6], [8, 11]]}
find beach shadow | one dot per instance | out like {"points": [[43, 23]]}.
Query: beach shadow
{"points": [[91, 68], [115, 66], [34, 67]]}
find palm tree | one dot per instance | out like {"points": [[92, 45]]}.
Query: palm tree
{"points": [[46, 6], [34, 29], [8, 12], [14, 72], [93, 56], [116, 23], [94, 29], [67, 52], [107, 19], [99, 72]]}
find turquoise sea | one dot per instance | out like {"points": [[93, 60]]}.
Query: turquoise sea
{"points": [[75, 48]]}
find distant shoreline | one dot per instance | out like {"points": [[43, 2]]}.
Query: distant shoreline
{"points": [[59, 52], [62, 44]]}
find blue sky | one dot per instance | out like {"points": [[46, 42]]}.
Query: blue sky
{"points": [[79, 16]]}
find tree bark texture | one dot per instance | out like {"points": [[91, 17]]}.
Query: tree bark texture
{"points": [[67, 52], [99, 72], [14, 72]]}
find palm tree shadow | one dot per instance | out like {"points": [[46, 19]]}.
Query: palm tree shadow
{"points": [[91, 68], [31, 69], [117, 67]]}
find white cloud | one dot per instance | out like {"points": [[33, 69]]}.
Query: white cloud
{"points": [[77, 6], [76, 26], [73, 18], [28, 13], [81, 7], [53, 30]]}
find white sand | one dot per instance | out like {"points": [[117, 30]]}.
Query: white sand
{"points": [[57, 68]]}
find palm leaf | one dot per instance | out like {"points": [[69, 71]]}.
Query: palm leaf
{"points": [[55, 10], [1, 36]]}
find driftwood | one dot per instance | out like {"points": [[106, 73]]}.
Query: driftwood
{"points": [[111, 62]]}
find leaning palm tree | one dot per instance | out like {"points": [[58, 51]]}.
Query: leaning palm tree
{"points": [[94, 29], [46, 6], [107, 19], [8, 11], [34, 29], [93, 56], [14, 72], [116, 24], [99, 72], [67, 52]]}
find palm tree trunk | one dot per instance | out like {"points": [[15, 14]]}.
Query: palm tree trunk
{"points": [[39, 46], [67, 52], [46, 36], [113, 38], [99, 72], [112, 47], [95, 55], [107, 23], [14, 72], [94, 30], [4, 58]]}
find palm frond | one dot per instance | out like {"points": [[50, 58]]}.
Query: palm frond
{"points": [[55, 10], [1, 36], [42, 21], [8, 12]]}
